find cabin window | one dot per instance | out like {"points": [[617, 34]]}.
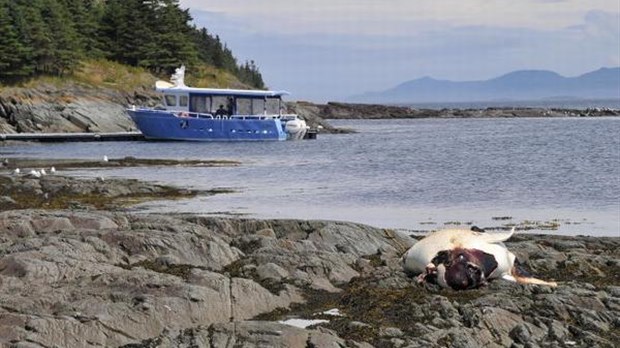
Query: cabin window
{"points": [[258, 106], [244, 106], [183, 100], [226, 102], [272, 105], [171, 100], [200, 104]]}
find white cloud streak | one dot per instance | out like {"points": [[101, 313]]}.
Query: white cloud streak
{"points": [[324, 50], [395, 17]]}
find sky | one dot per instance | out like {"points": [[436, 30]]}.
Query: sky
{"points": [[327, 50]]}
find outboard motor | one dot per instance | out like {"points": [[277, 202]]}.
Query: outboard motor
{"points": [[296, 128]]}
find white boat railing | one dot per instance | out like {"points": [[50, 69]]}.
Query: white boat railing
{"points": [[190, 114]]}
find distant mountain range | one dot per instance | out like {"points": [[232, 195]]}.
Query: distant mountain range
{"points": [[515, 86]]}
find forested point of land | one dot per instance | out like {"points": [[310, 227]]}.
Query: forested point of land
{"points": [[51, 37]]}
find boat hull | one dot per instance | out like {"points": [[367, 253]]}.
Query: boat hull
{"points": [[165, 125]]}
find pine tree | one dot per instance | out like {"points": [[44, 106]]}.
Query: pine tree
{"points": [[248, 73], [126, 28], [205, 45], [32, 33], [85, 16], [51, 36], [13, 54], [64, 47], [172, 45]]}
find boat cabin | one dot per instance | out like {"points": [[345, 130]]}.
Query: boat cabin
{"points": [[210, 114], [223, 102]]}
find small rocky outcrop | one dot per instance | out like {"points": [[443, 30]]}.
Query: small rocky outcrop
{"points": [[59, 192], [335, 110], [314, 116], [69, 108]]}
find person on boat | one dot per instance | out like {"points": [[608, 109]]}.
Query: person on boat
{"points": [[230, 106], [221, 111]]}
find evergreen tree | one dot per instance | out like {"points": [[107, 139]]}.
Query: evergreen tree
{"points": [[85, 16], [248, 73], [211, 51], [226, 60], [64, 45], [126, 29], [205, 45], [13, 54], [172, 45], [51, 36]]}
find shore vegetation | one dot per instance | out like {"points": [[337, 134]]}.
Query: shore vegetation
{"points": [[56, 37]]}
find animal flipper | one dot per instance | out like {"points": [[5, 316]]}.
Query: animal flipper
{"points": [[529, 280], [519, 275], [496, 237]]}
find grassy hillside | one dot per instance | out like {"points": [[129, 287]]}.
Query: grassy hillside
{"points": [[108, 74]]}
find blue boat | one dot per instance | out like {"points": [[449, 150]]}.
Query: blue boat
{"points": [[209, 114]]}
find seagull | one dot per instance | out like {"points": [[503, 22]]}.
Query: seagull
{"points": [[52, 170], [105, 158], [35, 173], [5, 163], [42, 171], [16, 171]]}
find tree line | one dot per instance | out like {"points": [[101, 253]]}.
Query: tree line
{"points": [[50, 37]]}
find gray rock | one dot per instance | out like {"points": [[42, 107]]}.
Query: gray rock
{"points": [[267, 232], [7, 201], [271, 271], [391, 332], [47, 108], [72, 279], [521, 334]]}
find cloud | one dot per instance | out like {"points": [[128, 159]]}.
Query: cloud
{"points": [[398, 16], [333, 49], [603, 24]]}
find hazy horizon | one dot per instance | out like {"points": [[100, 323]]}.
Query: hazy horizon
{"points": [[329, 50]]}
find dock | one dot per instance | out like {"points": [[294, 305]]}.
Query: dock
{"points": [[66, 137]]}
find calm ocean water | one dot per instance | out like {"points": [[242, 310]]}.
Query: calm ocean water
{"points": [[405, 174]]}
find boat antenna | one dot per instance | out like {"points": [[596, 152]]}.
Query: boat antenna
{"points": [[178, 78]]}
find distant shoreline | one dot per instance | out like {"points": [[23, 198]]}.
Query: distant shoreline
{"points": [[337, 110], [572, 104]]}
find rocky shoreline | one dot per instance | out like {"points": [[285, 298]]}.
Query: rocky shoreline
{"points": [[74, 107], [334, 110], [84, 274]]}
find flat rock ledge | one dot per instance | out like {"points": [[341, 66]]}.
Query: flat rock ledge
{"points": [[86, 278], [25, 191]]}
